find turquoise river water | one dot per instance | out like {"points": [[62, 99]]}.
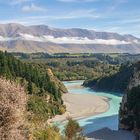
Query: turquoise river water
{"points": [[108, 119]]}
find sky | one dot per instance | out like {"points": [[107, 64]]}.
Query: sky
{"points": [[121, 16]]}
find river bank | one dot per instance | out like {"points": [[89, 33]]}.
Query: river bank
{"points": [[102, 125], [81, 106]]}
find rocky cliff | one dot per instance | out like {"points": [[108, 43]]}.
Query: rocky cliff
{"points": [[56, 81], [127, 80], [117, 82], [129, 115]]}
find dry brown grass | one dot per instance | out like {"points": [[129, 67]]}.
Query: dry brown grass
{"points": [[13, 101]]}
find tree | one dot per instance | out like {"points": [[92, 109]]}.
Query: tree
{"points": [[51, 133], [30, 87], [73, 131]]}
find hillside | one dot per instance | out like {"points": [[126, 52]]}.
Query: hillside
{"points": [[18, 123], [118, 82], [129, 117], [42, 38], [44, 90], [127, 81], [28, 98], [13, 101]]}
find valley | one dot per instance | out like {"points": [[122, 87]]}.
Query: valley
{"points": [[69, 70], [89, 99]]}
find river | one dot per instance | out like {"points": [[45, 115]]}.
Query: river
{"points": [[108, 119]]}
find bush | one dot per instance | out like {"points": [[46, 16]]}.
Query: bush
{"points": [[12, 108], [73, 131], [50, 133], [38, 107]]}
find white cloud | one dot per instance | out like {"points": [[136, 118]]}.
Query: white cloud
{"points": [[67, 40], [32, 8], [75, 14], [84, 40], [84, 13], [15, 2], [5, 38], [114, 6]]}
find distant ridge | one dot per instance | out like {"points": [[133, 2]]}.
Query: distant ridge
{"points": [[41, 38]]}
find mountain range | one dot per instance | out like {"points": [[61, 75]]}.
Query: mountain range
{"points": [[41, 38]]}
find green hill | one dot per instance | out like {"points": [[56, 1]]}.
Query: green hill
{"points": [[117, 82], [44, 92]]}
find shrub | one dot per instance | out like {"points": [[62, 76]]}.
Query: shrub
{"points": [[12, 107]]}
